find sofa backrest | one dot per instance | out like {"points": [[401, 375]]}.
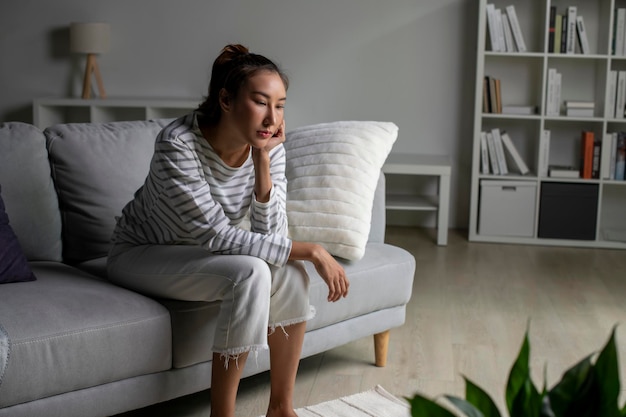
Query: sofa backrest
{"points": [[97, 167], [28, 192]]}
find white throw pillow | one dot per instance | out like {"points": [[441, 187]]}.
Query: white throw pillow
{"points": [[332, 173]]}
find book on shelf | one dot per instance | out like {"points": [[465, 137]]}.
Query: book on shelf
{"points": [[563, 171], [586, 152], [558, 31], [515, 28], [492, 95], [513, 152], [501, 159], [620, 96], [619, 32], [611, 93], [508, 34], [563, 47], [553, 97], [620, 156], [605, 161], [484, 153], [581, 104], [595, 170], [571, 30], [493, 158], [544, 153], [551, 28], [491, 25], [583, 41]]}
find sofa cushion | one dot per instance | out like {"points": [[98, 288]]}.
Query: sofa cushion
{"points": [[68, 331], [332, 173], [96, 169], [28, 192], [382, 279], [13, 264]]}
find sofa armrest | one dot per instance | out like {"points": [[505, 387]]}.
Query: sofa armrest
{"points": [[379, 219]]}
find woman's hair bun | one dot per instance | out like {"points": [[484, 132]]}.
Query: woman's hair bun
{"points": [[231, 52]]}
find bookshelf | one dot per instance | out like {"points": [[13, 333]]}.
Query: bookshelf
{"points": [[50, 111], [589, 212]]}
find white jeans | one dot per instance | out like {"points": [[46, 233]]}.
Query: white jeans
{"points": [[254, 295]]}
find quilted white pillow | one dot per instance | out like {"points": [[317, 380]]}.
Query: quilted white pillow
{"points": [[332, 173]]}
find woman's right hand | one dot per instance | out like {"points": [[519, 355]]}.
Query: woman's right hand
{"points": [[332, 273], [326, 265]]}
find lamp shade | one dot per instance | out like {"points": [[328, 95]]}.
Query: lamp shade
{"points": [[90, 38]]}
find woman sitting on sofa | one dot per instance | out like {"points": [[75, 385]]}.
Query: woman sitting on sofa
{"points": [[183, 235]]}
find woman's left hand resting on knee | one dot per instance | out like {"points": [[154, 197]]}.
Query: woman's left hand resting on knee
{"points": [[327, 266]]}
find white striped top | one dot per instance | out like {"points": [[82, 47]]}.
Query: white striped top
{"points": [[191, 197]]}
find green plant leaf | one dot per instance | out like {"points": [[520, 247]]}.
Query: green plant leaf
{"points": [[606, 370], [519, 374], [572, 394], [527, 402], [424, 407], [480, 399], [466, 407]]}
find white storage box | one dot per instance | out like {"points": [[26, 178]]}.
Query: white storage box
{"points": [[507, 208]]}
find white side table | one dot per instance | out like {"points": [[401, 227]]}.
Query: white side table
{"points": [[425, 165]]}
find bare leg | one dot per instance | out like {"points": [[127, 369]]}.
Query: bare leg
{"points": [[224, 384], [284, 360]]}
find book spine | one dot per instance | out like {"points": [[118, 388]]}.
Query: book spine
{"points": [[551, 29], [550, 92], [582, 35], [508, 36], [498, 96], [493, 158], [515, 156], [499, 31], [611, 94], [491, 24], [571, 30], [497, 140], [516, 29], [557, 93], [605, 158], [621, 95], [558, 29], [586, 166], [493, 99], [544, 153], [484, 153], [613, 155], [620, 26], [563, 33], [620, 158]]}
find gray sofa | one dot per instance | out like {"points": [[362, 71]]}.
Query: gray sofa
{"points": [[72, 343]]}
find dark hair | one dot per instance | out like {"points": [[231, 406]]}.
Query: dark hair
{"points": [[231, 69]]}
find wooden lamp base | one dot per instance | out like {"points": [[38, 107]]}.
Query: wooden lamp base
{"points": [[92, 67]]}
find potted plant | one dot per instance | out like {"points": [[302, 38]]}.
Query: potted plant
{"points": [[588, 389]]}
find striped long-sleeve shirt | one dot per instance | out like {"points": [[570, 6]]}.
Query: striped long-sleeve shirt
{"points": [[191, 197]]}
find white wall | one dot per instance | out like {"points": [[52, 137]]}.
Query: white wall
{"points": [[407, 61]]}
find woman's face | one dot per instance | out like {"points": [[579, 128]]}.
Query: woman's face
{"points": [[258, 110]]}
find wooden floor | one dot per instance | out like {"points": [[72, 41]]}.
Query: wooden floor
{"points": [[470, 308]]}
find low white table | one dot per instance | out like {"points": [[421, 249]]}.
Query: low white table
{"points": [[424, 165]]}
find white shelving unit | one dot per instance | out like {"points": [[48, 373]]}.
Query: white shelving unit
{"points": [[50, 111], [524, 79]]}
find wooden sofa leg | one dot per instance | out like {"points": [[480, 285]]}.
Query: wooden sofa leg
{"points": [[381, 345]]}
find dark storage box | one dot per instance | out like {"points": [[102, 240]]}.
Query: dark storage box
{"points": [[568, 210]]}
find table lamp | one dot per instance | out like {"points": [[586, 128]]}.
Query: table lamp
{"points": [[90, 39]]}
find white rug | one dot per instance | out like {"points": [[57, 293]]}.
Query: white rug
{"points": [[373, 403]]}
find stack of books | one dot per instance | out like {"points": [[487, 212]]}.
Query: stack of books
{"points": [[614, 156], [504, 31], [493, 144], [567, 31], [616, 95], [553, 97], [579, 108]]}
